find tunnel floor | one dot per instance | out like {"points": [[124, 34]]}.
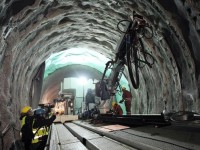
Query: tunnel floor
{"points": [[81, 134]]}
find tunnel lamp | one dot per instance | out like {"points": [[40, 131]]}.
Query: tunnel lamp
{"points": [[83, 80]]}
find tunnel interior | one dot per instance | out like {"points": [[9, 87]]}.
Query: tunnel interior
{"points": [[68, 37]]}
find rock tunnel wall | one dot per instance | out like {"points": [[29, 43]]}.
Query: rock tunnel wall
{"points": [[31, 30]]}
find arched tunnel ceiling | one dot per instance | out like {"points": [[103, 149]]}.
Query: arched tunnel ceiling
{"points": [[75, 56], [32, 30]]}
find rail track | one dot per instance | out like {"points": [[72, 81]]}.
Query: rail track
{"points": [[80, 135]]}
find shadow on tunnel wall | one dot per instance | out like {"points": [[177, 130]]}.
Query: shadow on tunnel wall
{"points": [[36, 86]]}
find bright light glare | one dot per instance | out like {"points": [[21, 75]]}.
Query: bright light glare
{"points": [[83, 80]]}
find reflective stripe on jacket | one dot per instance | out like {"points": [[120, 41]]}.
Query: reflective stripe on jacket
{"points": [[39, 133], [23, 121]]}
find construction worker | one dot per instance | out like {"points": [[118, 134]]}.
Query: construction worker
{"points": [[117, 110], [89, 98], [26, 126], [34, 128], [126, 97]]}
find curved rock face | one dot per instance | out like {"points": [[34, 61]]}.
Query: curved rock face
{"points": [[31, 30]]}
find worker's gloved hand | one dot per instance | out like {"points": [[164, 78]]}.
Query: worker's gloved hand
{"points": [[121, 101]]}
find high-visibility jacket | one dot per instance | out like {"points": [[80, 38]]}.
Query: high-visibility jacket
{"points": [[38, 133], [23, 121], [26, 128]]}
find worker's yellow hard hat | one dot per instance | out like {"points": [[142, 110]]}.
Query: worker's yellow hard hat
{"points": [[25, 109], [113, 103]]}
